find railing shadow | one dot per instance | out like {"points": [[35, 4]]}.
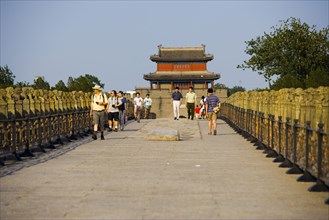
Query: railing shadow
{"points": [[302, 149]]}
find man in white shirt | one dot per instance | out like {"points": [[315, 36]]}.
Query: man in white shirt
{"points": [[147, 105], [190, 101], [113, 110], [138, 102], [97, 110]]}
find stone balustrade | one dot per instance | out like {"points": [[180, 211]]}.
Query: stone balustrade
{"points": [[291, 124], [305, 105], [32, 118]]}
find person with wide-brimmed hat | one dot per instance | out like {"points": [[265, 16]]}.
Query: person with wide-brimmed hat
{"points": [[97, 110]]}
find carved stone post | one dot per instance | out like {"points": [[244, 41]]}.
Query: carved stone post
{"points": [[26, 101], [3, 105], [10, 102], [32, 102]]}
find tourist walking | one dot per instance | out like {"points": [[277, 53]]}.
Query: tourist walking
{"points": [[97, 110], [122, 109], [176, 102], [212, 107], [197, 112], [138, 102], [190, 101], [203, 107], [147, 106], [112, 109]]}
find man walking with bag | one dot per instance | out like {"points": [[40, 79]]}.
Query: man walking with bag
{"points": [[212, 107], [97, 110]]}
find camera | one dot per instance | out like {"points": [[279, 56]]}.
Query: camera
{"points": [[113, 106]]}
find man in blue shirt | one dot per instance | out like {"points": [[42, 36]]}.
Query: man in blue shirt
{"points": [[212, 108], [176, 102]]}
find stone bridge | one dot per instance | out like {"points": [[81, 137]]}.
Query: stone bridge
{"points": [[247, 171]]}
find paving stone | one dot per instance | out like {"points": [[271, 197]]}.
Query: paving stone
{"points": [[127, 176], [163, 135]]}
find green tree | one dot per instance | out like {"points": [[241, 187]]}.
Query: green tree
{"points": [[291, 50], [235, 89], [317, 78], [6, 77], [40, 83], [61, 86], [287, 81], [220, 86], [22, 84], [83, 83]]}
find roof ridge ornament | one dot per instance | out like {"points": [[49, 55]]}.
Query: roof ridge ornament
{"points": [[159, 47]]}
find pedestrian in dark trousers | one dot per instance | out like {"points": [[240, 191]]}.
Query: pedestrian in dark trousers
{"points": [[190, 103], [97, 110], [113, 111], [122, 110]]}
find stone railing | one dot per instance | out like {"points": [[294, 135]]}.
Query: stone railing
{"points": [[305, 105], [276, 126], [33, 118]]}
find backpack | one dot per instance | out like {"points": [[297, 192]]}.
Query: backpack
{"points": [[92, 98]]}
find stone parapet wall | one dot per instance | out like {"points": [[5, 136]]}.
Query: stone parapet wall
{"points": [[305, 105]]}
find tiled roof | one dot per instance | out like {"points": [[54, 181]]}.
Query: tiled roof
{"points": [[181, 76], [181, 54]]}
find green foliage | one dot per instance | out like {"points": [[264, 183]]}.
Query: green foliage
{"points": [[230, 91], [83, 83], [220, 86], [317, 78], [291, 51], [287, 81], [22, 84], [61, 86], [235, 89], [6, 77], [40, 83]]}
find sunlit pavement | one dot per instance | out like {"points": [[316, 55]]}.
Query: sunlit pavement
{"points": [[127, 176]]}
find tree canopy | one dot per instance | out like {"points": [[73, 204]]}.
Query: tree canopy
{"points": [[83, 83], [6, 77], [41, 83], [292, 52], [61, 86], [230, 91]]}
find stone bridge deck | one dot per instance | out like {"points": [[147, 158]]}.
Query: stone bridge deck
{"points": [[129, 177]]}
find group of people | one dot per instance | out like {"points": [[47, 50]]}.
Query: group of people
{"points": [[115, 108], [141, 104], [210, 106]]}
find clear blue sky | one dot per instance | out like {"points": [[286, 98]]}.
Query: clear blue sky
{"points": [[113, 40]]}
